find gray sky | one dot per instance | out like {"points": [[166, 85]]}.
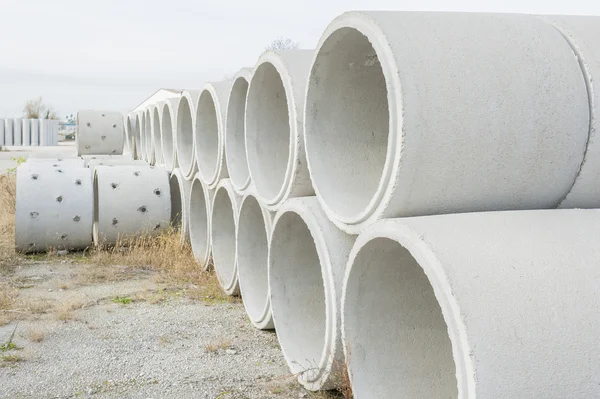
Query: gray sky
{"points": [[112, 54]]}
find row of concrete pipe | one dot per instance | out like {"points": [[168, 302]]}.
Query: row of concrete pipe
{"points": [[28, 132], [388, 201]]}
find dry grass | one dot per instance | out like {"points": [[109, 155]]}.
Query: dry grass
{"points": [[8, 296], [36, 335], [64, 311], [219, 344], [8, 190]]}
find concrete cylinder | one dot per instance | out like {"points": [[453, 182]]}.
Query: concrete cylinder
{"points": [[156, 134], [56, 162], [130, 134], [99, 132], [18, 131], [102, 158], [235, 133], [184, 132], [35, 132], [253, 235], [130, 201], [401, 119], [486, 305], [93, 164], [274, 123], [180, 193], [210, 132], [1, 132], [53, 207], [223, 230], [26, 132], [44, 134], [8, 132], [167, 131], [200, 202], [54, 132], [148, 144], [307, 257]]}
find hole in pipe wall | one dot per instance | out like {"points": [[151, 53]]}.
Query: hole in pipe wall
{"points": [[78, 182], [142, 209], [76, 218]]}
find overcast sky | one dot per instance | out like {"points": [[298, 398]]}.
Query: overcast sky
{"points": [[112, 54]]}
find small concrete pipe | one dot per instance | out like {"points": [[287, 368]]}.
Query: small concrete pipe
{"points": [[253, 236], [307, 257], [475, 305], [8, 132], [200, 202], [148, 143], [130, 201], [99, 132], [402, 120], [26, 130], [180, 194], [167, 132], [44, 127], [235, 132], [35, 132], [274, 124], [53, 207], [184, 133], [156, 133], [1, 131], [209, 132], [223, 232], [18, 131]]}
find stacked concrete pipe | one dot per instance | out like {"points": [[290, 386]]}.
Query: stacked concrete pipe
{"points": [[486, 305], [26, 129], [184, 132], [98, 132], [139, 134], [35, 132], [180, 193], [8, 132], [130, 200], [156, 133], [167, 132], [1, 131], [417, 125], [45, 132], [252, 249], [53, 207], [148, 142], [200, 203], [18, 131], [131, 129], [274, 124], [210, 132]]}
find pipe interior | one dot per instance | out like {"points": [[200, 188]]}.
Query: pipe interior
{"points": [[167, 137], [297, 293], [185, 135], [267, 130], [207, 136], [395, 333], [252, 255], [236, 141], [176, 204], [156, 138], [96, 215], [198, 221], [223, 237], [347, 122], [147, 134]]}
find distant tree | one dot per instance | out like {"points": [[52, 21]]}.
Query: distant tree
{"points": [[282, 44], [35, 109], [70, 118]]}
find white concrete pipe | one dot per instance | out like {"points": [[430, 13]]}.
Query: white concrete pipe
{"points": [[402, 120], [235, 134], [127, 144], [486, 305], [139, 134], [94, 163], [274, 123], [200, 202], [223, 232], [53, 207], [184, 135], [156, 134], [130, 201], [26, 132], [130, 129], [210, 132], [44, 127], [1, 131], [167, 131], [18, 131], [148, 144], [35, 132], [253, 235], [8, 132], [307, 257], [89, 158], [180, 197], [99, 132], [56, 162]]}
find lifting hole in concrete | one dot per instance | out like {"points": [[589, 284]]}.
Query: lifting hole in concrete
{"points": [[76, 218], [34, 214], [142, 209], [157, 192], [59, 199]]}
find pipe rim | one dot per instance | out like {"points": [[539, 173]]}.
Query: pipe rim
{"points": [[186, 141], [157, 132], [167, 136], [210, 176], [201, 254]]}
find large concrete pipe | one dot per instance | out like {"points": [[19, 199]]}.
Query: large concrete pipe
{"points": [[53, 207], [235, 133], [184, 134], [486, 305], [401, 119], [223, 231], [44, 134], [148, 143], [253, 235], [274, 123], [200, 202], [167, 131], [99, 132], [35, 132], [130, 201], [307, 257], [8, 132], [130, 129], [156, 134], [26, 132], [209, 132], [1, 131], [127, 144], [139, 134], [18, 131], [180, 195]]}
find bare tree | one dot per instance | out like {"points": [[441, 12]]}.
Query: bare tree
{"points": [[35, 109], [282, 44]]}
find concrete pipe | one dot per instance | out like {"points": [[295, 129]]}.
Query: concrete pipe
{"points": [[93, 164], [26, 132], [209, 134], [138, 134], [180, 193], [99, 132], [1, 132], [57, 162], [95, 158], [130, 129], [130, 201], [486, 305], [307, 257], [35, 132], [53, 207], [156, 134], [235, 134], [148, 144], [18, 131], [253, 235], [274, 120], [184, 135], [200, 202], [127, 144], [402, 120], [223, 231], [8, 132], [44, 134], [167, 131]]}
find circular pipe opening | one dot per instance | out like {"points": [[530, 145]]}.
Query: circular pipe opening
{"points": [[147, 135], [166, 134], [156, 138], [185, 135], [199, 227], [176, 202], [237, 162], [207, 137], [138, 135], [397, 342], [297, 294], [267, 131], [223, 239], [347, 122]]}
